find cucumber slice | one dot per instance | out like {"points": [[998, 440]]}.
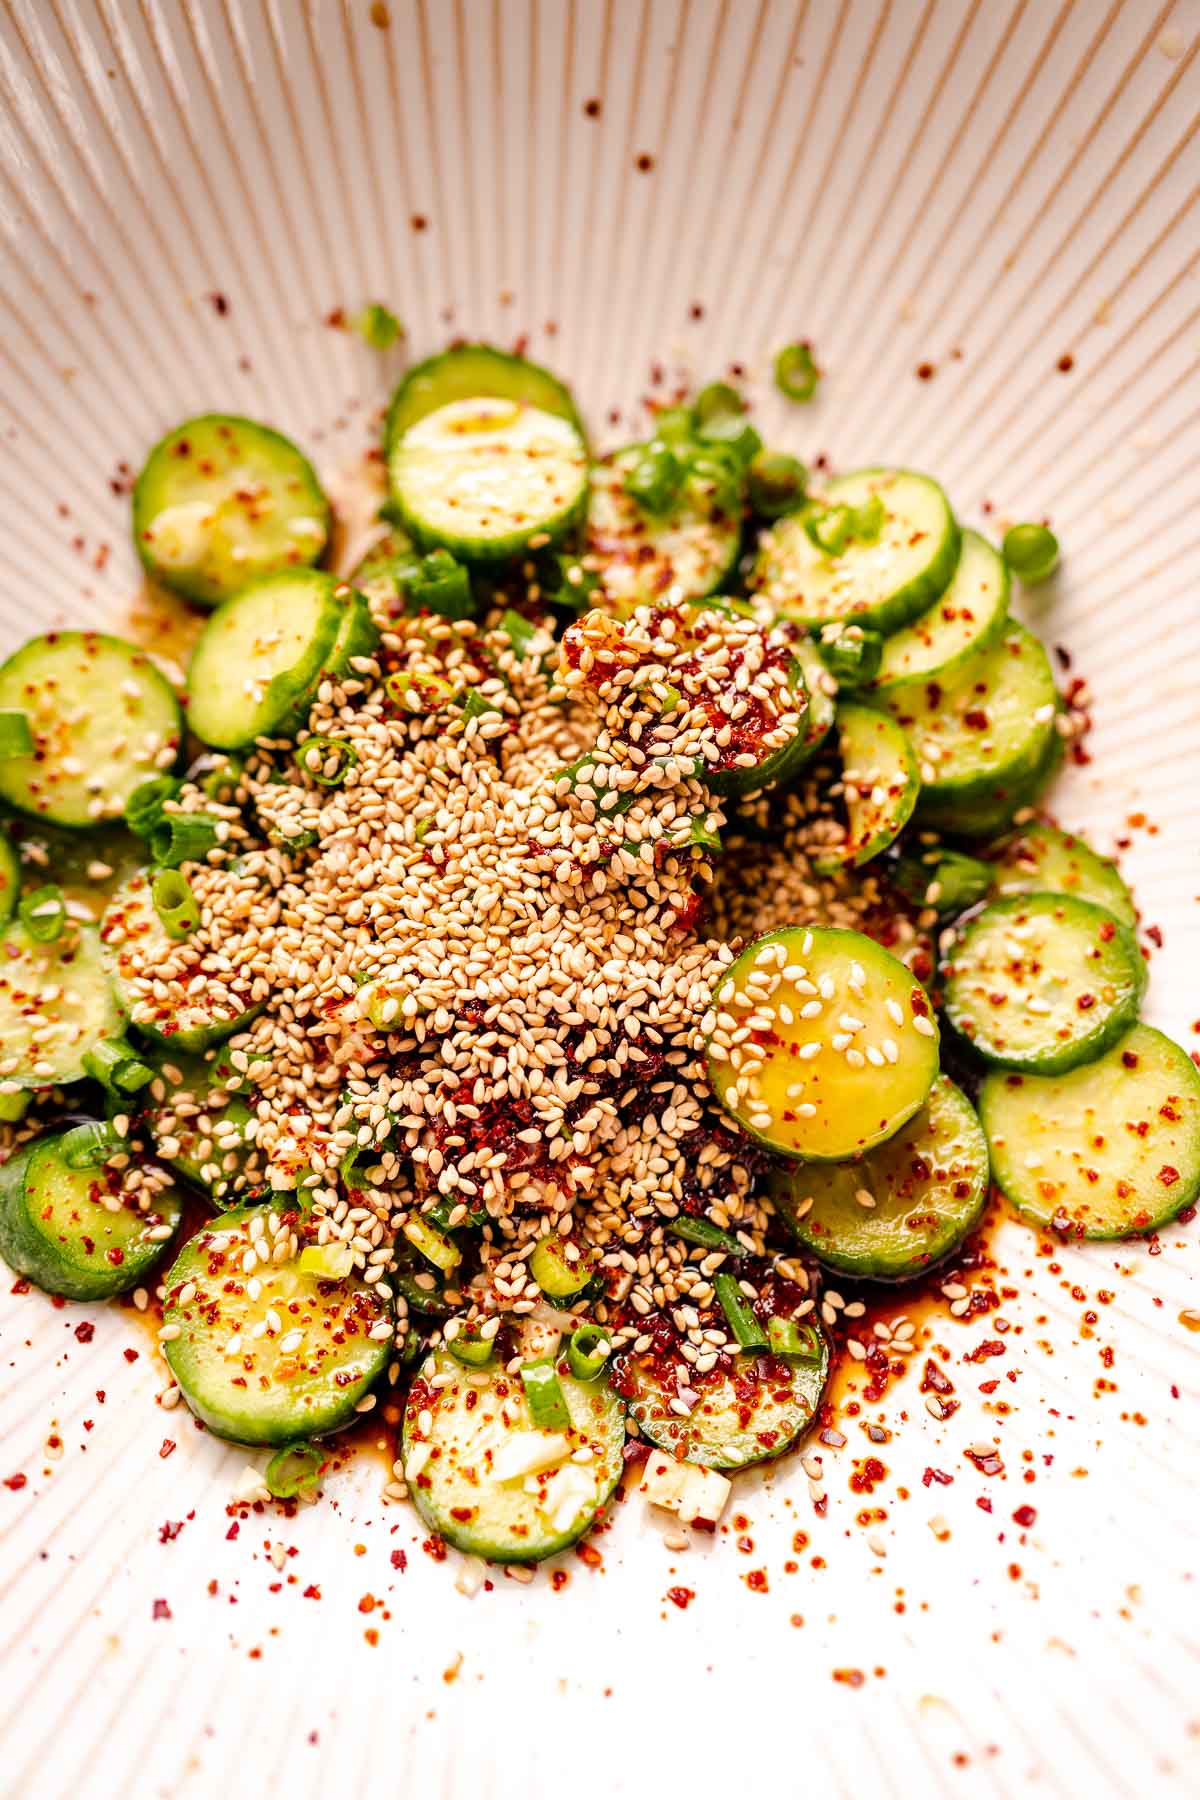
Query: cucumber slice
{"points": [[137, 949], [987, 811], [928, 1186], [10, 878], [648, 558], [822, 703], [467, 373], [1106, 1150], [290, 1362], [944, 879], [60, 990], [1043, 982], [881, 583], [482, 476], [1043, 860], [222, 500], [840, 1046], [199, 1126], [487, 1481], [750, 1409], [101, 715], [879, 774], [968, 617], [56, 1229], [257, 663], [987, 725]]}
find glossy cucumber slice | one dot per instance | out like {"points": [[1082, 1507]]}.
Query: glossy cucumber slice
{"points": [[71, 1231], [879, 775], [682, 554], [968, 617], [222, 500], [1043, 982], [257, 663], [881, 582], [822, 700], [288, 1358], [483, 475], [138, 949], [1103, 1151], [987, 810], [61, 991], [926, 1188], [469, 372], [102, 718], [490, 1483], [947, 880], [1042, 859], [840, 1046]]}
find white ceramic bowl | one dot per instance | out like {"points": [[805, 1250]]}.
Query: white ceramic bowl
{"points": [[987, 188]]}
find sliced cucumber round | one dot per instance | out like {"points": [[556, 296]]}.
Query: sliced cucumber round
{"points": [[469, 372], [747, 1411], [10, 878], [902, 1209], [968, 617], [1043, 982], [222, 500], [987, 810], [62, 992], [290, 1360], [483, 475], [102, 717], [823, 1044], [136, 949], [987, 724], [881, 582], [652, 558], [881, 785], [68, 1229], [1106, 1150], [484, 1478], [1041, 859], [199, 1126], [259, 659], [822, 704]]}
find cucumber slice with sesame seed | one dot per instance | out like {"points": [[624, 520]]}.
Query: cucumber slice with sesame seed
{"points": [[137, 950], [468, 372], [645, 558], [1043, 982], [987, 811], [986, 725], [880, 787], [968, 617], [822, 1044], [265, 1353], [881, 582], [485, 1479], [199, 1126], [1106, 1150], [56, 1004], [222, 500], [103, 720], [822, 694], [905, 1206], [259, 659], [75, 1231], [1044, 860]]}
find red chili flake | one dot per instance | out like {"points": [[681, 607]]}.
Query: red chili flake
{"points": [[1168, 1176], [1154, 933], [1065, 364], [399, 1560], [850, 1677], [1129, 1059], [981, 1352], [131, 1356], [367, 1603], [925, 371], [15, 1482], [161, 1610], [983, 1503], [935, 1380], [312, 1592], [169, 1531], [644, 164], [976, 719], [756, 1581], [938, 1475], [219, 304], [85, 1331], [233, 1531], [681, 1597], [166, 1448], [592, 108], [419, 222], [1025, 1516]]}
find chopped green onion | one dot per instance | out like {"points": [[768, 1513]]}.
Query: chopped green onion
{"points": [[468, 1348], [564, 581], [416, 693], [853, 656], [543, 1391], [315, 753], [519, 631], [16, 737], [829, 528], [672, 700], [1031, 552], [175, 903], [117, 1066], [742, 1322], [377, 326], [217, 777], [557, 1273], [720, 418], [718, 468], [90, 1146], [13, 1107], [421, 830], [346, 1170], [700, 837], [588, 1349], [410, 1349], [294, 1470], [706, 1236], [796, 374], [789, 1339], [776, 484], [434, 1245], [144, 807], [947, 880], [43, 913], [441, 585], [440, 1213], [182, 837], [866, 521], [673, 425], [476, 705], [654, 479]]}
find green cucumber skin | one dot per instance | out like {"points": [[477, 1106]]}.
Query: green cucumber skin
{"points": [[780, 766], [988, 636], [672, 1434], [493, 550], [10, 878], [196, 1038], [27, 1251], [431, 384], [290, 692], [903, 807], [1082, 1050], [1093, 877], [987, 814]]}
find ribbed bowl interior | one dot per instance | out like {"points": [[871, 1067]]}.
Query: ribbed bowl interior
{"points": [[983, 213]]}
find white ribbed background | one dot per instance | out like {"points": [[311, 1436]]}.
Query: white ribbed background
{"points": [[897, 180]]}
